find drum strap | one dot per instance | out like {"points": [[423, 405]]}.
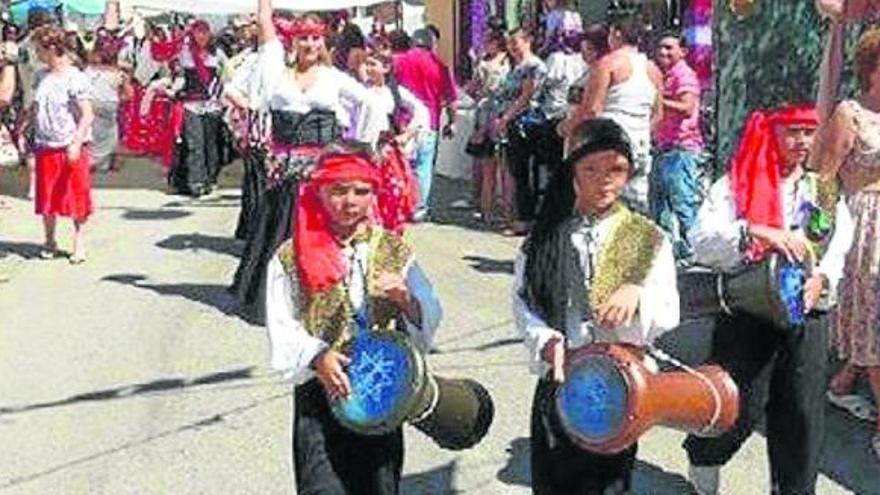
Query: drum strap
{"points": [[716, 394], [361, 317]]}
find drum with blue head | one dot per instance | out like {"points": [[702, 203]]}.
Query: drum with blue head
{"points": [[611, 396], [388, 380], [594, 402], [391, 386], [771, 290]]}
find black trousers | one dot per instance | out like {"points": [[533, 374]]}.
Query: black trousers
{"points": [[786, 370], [253, 184], [332, 460], [529, 148], [199, 152], [559, 467]]}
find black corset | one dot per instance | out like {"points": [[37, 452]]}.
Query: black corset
{"points": [[317, 127], [194, 88]]}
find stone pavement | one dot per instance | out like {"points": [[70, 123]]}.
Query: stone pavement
{"points": [[132, 374]]}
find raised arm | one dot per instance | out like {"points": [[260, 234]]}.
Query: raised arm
{"points": [[264, 20], [111, 15], [835, 142]]}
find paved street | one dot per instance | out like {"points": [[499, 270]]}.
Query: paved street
{"points": [[132, 374]]}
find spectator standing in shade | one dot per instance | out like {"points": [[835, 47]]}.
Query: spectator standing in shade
{"points": [[674, 183], [421, 71], [565, 66], [519, 97]]}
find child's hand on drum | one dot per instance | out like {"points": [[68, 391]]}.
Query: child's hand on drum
{"points": [[620, 309], [554, 354], [392, 286], [814, 287], [330, 368]]}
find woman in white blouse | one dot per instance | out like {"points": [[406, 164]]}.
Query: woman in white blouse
{"points": [[307, 102]]}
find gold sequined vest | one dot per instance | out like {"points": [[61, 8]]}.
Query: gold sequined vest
{"points": [[328, 314], [627, 255]]}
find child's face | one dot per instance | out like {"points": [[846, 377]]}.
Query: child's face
{"points": [[375, 70], [599, 179]]}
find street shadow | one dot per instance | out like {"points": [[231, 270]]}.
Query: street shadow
{"points": [[445, 193], [482, 347], [218, 201], [196, 242], [489, 265], [134, 390], [210, 420], [518, 470], [26, 250], [137, 214], [847, 457], [648, 479], [435, 481], [213, 295]]}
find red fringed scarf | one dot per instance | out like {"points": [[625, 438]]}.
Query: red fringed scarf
{"points": [[319, 259], [199, 53], [755, 177]]}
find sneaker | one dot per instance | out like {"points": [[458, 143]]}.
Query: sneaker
{"points": [[705, 479]]}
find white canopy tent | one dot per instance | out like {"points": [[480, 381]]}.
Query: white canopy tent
{"points": [[229, 7]]}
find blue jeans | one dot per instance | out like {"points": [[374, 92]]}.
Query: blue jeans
{"points": [[423, 166], [674, 197]]}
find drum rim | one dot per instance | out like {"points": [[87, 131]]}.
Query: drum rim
{"points": [[607, 352], [404, 405]]}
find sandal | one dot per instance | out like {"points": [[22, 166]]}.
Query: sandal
{"points": [[855, 404], [49, 252], [77, 259]]}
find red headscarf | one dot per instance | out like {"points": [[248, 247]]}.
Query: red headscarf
{"points": [[320, 263], [288, 29], [199, 53], [755, 175], [164, 50]]}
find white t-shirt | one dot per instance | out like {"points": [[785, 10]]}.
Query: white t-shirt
{"points": [[56, 99]]}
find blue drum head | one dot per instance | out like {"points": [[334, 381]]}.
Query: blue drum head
{"points": [[790, 281], [380, 374], [594, 399]]}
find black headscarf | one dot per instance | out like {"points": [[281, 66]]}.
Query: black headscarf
{"points": [[550, 266]]}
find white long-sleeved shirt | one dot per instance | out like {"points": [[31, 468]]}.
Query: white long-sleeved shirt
{"points": [[292, 346], [717, 233], [333, 90], [421, 118], [658, 310]]}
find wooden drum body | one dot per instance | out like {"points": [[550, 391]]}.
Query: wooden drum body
{"points": [[610, 398]]}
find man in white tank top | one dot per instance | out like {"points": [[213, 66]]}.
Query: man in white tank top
{"points": [[625, 87]]}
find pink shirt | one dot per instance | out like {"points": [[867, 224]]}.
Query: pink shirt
{"points": [[678, 130], [423, 73]]}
